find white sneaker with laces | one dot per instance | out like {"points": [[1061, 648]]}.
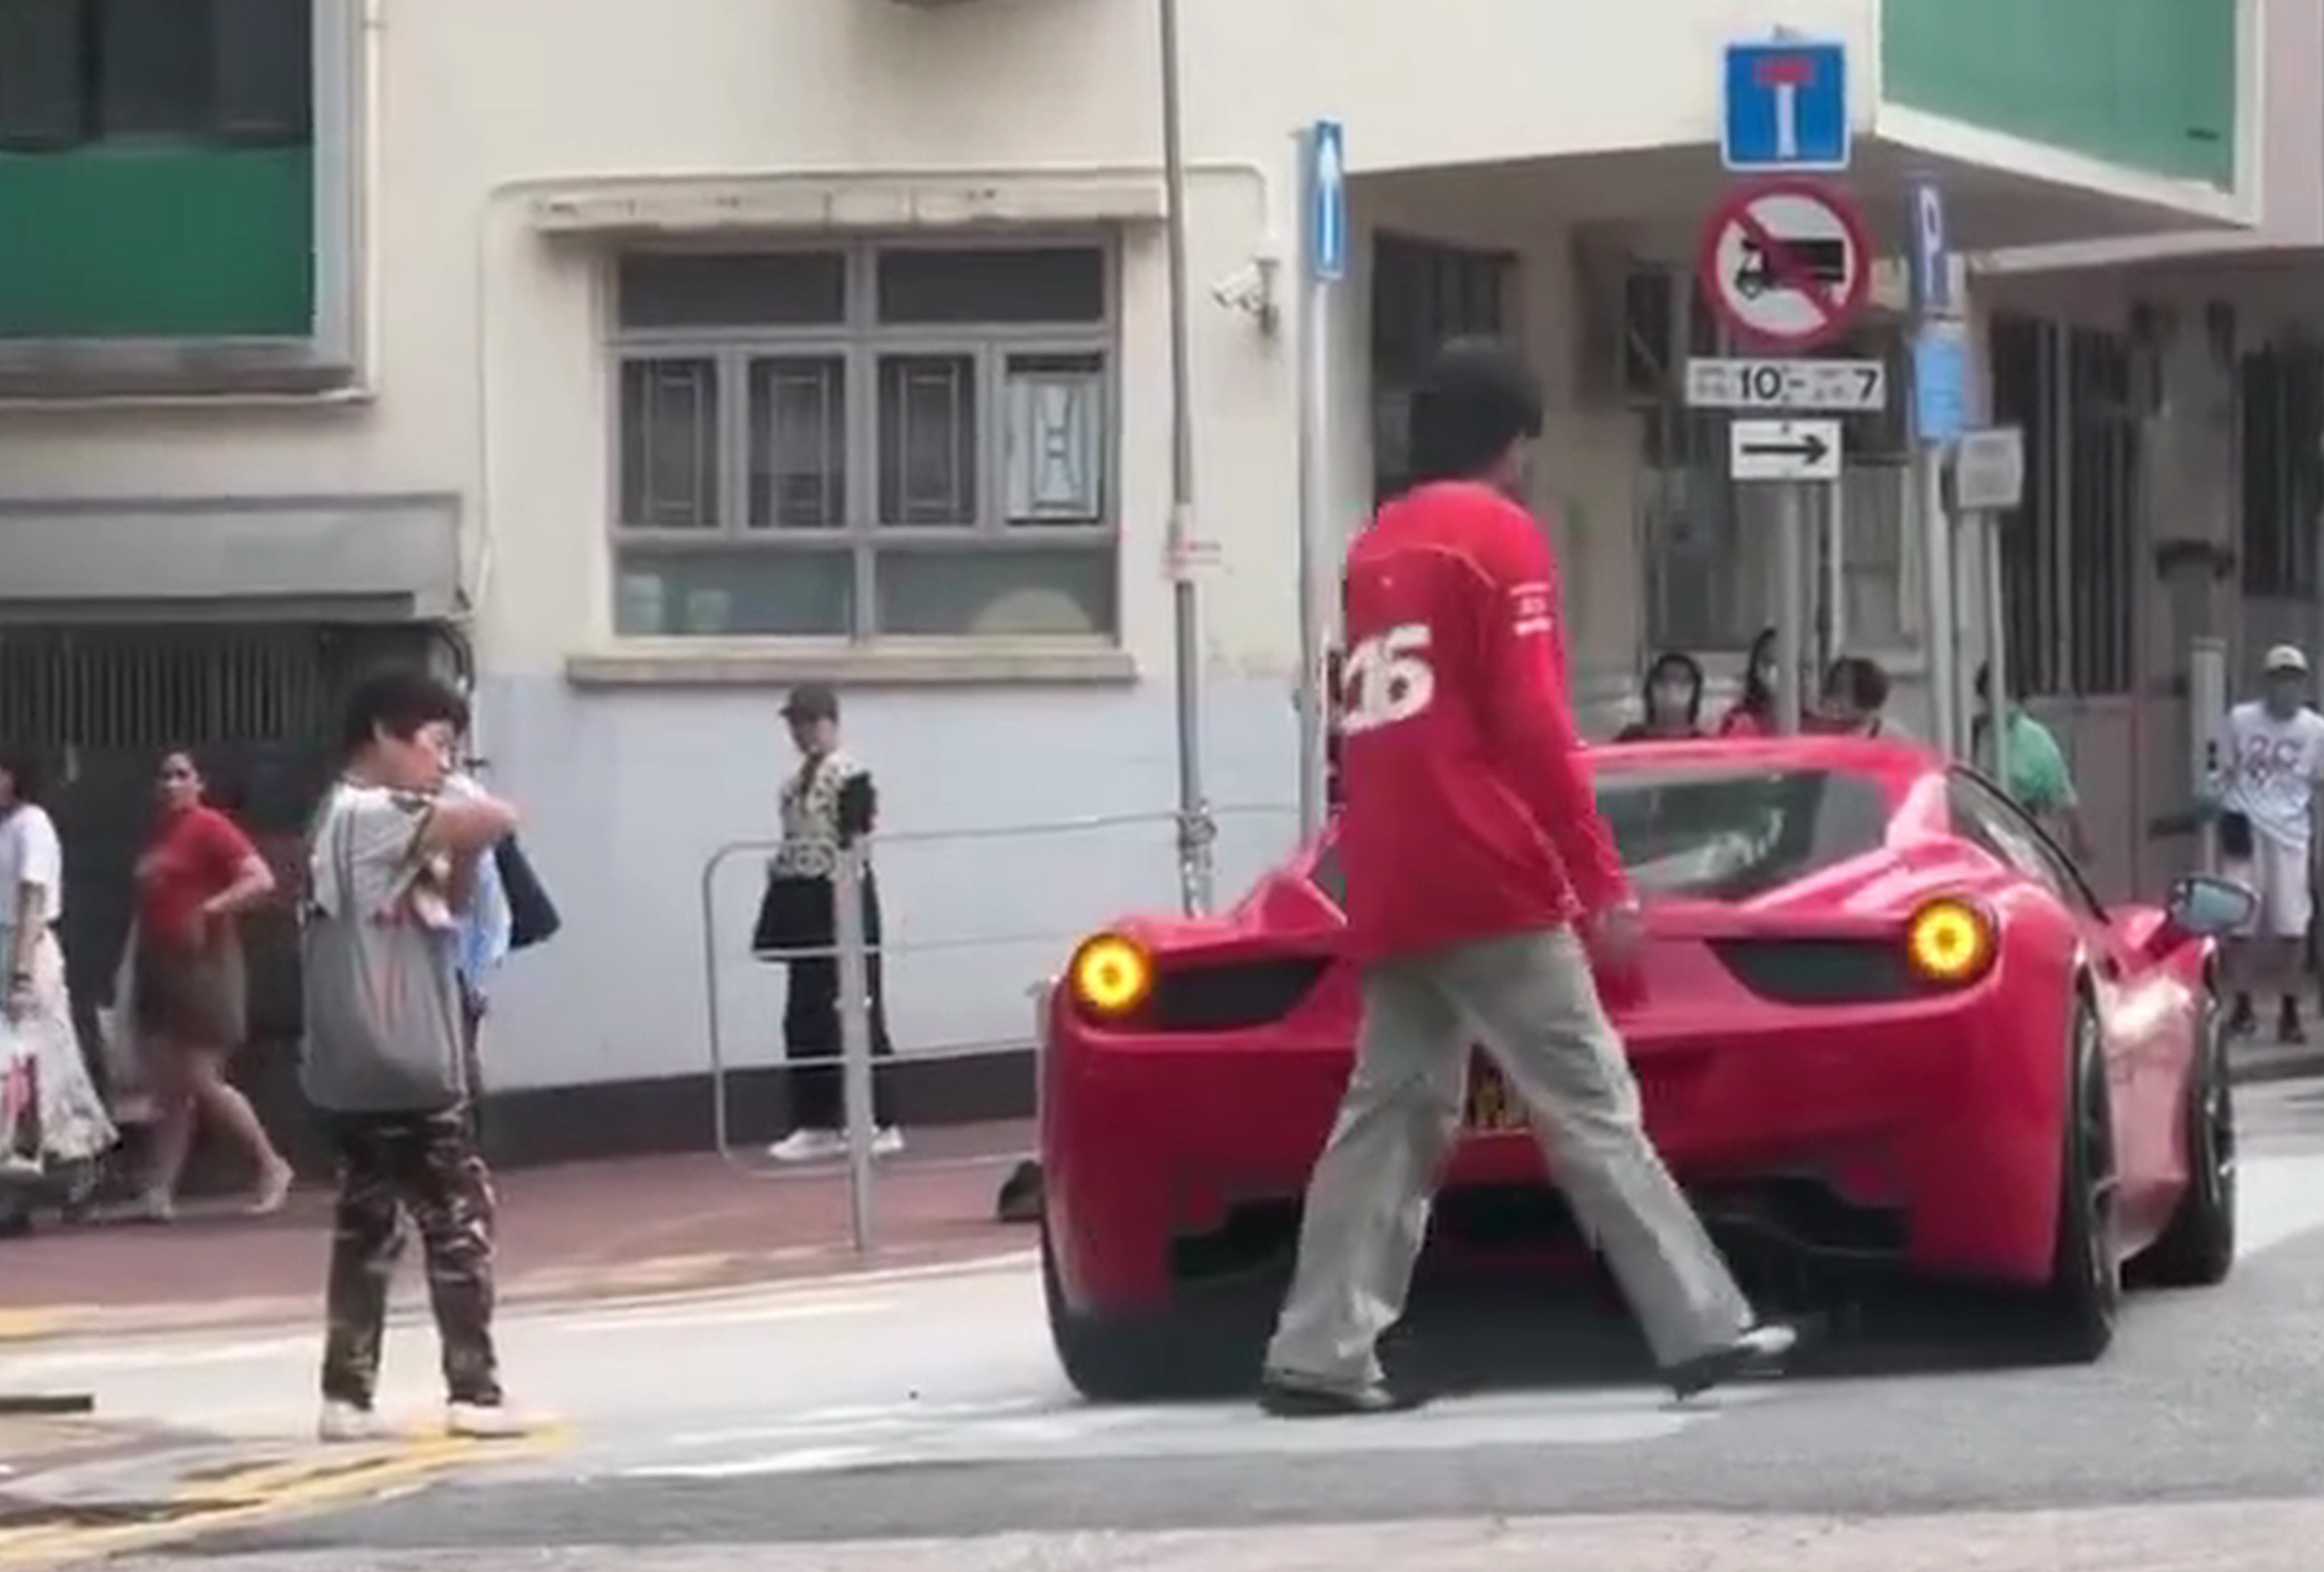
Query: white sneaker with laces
{"points": [[479, 1421], [807, 1146], [886, 1142], [344, 1421]]}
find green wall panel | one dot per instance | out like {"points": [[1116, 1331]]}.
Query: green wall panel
{"points": [[120, 243], [2150, 84]]}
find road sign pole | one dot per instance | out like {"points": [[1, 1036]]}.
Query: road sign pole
{"points": [[1996, 646], [1939, 393], [1835, 525], [1787, 265], [1326, 230], [1791, 626], [1943, 684], [1195, 868]]}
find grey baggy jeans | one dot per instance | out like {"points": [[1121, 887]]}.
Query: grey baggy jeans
{"points": [[1532, 1002]]}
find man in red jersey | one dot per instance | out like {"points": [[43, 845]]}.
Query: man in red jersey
{"points": [[1473, 850]]}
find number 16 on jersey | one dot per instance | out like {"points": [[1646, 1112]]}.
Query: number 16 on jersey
{"points": [[1386, 678]]}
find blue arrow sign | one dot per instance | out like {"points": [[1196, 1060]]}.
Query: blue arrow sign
{"points": [[1327, 202]]}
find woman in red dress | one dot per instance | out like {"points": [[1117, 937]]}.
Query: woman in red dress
{"points": [[198, 873]]}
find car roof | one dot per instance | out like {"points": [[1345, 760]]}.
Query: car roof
{"points": [[1896, 762]]}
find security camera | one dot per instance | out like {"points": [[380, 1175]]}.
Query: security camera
{"points": [[1251, 288]]}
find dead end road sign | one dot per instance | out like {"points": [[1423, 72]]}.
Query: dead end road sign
{"points": [[1784, 450], [1786, 263]]}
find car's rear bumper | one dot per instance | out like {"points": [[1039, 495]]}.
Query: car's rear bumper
{"points": [[1927, 1133]]}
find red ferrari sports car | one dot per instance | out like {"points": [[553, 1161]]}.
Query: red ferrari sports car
{"points": [[1879, 1018]]}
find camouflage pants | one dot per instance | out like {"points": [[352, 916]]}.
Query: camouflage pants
{"points": [[426, 1166]]}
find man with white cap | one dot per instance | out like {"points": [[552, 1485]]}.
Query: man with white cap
{"points": [[2268, 803]]}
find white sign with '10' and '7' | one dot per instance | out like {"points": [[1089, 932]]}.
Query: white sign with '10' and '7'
{"points": [[1821, 386]]}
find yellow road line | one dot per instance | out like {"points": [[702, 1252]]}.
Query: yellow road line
{"points": [[29, 1325], [266, 1493]]}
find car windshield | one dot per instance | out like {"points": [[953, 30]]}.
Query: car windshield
{"points": [[1722, 834]]}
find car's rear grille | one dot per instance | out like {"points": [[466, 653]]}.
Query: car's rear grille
{"points": [[1234, 995], [1823, 971]]}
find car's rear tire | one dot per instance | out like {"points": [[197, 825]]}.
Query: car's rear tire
{"points": [[1156, 1357], [2198, 1249], [2083, 1300]]}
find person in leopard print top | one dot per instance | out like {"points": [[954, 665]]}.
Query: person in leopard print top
{"points": [[824, 804]]}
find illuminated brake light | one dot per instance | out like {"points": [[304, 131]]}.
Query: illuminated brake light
{"points": [[1949, 942], [1111, 975]]}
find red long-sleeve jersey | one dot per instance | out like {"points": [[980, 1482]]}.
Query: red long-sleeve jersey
{"points": [[1467, 813]]}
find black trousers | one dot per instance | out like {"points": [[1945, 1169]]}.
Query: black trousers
{"points": [[797, 915]]}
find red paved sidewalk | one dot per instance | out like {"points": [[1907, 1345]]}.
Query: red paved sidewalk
{"points": [[584, 1231]]}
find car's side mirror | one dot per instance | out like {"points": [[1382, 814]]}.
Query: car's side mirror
{"points": [[2204, 906]]}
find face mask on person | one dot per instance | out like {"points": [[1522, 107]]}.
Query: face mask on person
{"points": [[2286, 694]]}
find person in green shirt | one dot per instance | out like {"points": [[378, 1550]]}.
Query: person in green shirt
{"points": [[2038, 777]]}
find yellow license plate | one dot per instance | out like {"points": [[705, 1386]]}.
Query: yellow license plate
{"points": [[1492, 1106]]}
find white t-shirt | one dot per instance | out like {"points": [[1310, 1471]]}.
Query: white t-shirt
{"points": [[2271, 770], [30, 853]]}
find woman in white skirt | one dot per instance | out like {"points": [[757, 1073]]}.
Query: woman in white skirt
{"points": [[54, 1127]]}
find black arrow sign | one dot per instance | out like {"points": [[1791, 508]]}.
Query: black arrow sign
{"points": [[1809, 449]]}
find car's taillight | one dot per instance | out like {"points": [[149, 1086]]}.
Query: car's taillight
{"points": [[1111, 976], [1949, 942]]}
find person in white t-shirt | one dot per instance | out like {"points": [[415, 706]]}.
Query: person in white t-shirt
{"points": [[2271, 762]]}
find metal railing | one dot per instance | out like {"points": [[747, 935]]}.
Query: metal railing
{"points": [[1269, 832]]}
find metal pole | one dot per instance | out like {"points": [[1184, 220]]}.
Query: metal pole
{"points": [[1835, 571], [2206, 711], [1314, 377], [1194, 873], [854, 1034], [1790, 628], [1996, 647], [718, 1130], [1944, 686]]}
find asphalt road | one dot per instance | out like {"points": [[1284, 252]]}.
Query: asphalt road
{"points": [[919, 1421]]}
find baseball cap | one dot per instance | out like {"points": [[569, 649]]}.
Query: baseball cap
{"points": [[812, 701], [2286, 657]]}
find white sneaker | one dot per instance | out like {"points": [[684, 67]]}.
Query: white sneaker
{"points": [[807, 1146], [888, 1142], [344, 1421], [485, 1421]]}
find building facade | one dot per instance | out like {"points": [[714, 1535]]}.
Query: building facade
{"points": [[641, 361]]}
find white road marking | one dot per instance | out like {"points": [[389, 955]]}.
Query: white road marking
{"points": [[174, 1355], [862, 1414], [668, 1318], [2277, 1199], [809, 1460], [1014, 1431]]}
